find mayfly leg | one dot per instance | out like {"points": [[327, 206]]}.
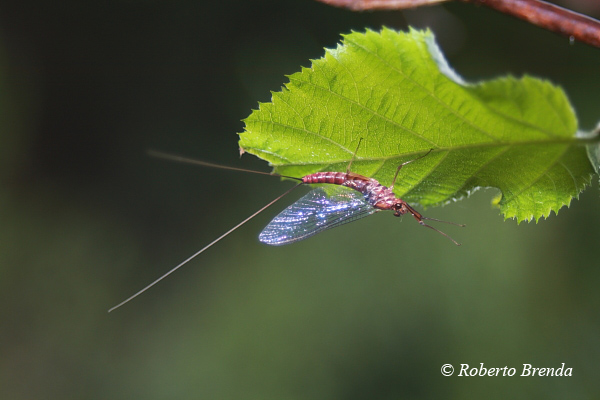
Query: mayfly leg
{"points": [[353, 156], [403, 164]]}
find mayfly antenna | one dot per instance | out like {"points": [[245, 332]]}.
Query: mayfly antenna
{"points": [[420, 219]]}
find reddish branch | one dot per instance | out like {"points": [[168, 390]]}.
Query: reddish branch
{"points": [[361, 5], [537, 12]]}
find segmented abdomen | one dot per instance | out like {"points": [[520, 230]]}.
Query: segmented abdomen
{"points": [[335, 178], [375, 193]]}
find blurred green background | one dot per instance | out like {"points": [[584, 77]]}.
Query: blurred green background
{"points": [[371, 310]]}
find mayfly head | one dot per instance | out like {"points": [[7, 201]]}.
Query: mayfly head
{"points": [[400, 208]]}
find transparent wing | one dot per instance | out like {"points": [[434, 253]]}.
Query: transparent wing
{"points": [[315, 212]]}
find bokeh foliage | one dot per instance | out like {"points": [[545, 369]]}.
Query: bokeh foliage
{"points": [[369, 310]]}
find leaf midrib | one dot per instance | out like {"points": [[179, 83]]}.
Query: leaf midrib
{"points": [[565, 141]]}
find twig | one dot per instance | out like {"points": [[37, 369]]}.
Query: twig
{"points": [[551, 17], [545, 15], [362, 5]]}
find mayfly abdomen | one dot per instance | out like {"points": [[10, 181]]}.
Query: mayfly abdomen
{"points": [[375, 193], [334, 178]]}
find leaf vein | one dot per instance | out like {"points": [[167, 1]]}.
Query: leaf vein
{"points": [[536, 180], [430, 94]]}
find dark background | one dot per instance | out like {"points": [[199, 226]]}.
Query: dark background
{"points": [[369, 310]]}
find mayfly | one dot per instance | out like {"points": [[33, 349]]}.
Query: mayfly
{"points": [[353, 197]]}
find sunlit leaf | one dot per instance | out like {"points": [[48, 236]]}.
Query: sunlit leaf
{"points": [[396, 92]]}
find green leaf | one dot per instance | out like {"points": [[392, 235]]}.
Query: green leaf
{"points": [[396, 92], [594, 150]]}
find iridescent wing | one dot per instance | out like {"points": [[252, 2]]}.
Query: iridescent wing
{"points": [[315, 212]]}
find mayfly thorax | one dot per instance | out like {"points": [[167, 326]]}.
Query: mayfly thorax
{"points": [[352, 197]]}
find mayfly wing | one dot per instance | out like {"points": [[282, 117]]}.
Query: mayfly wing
{"points": [[317, 211]]}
